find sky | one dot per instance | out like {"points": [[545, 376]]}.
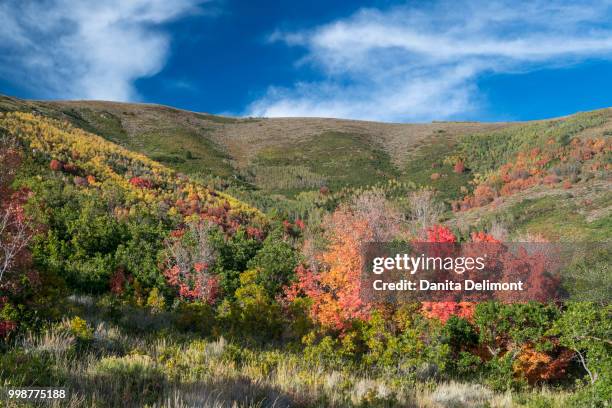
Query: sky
{"points": [[394, 61]]}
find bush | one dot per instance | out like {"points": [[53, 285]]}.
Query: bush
{"points": [[253, 314], [276, 261], [500, 374], [195, 316], [156, 301], [459, 334], [585, 328]]}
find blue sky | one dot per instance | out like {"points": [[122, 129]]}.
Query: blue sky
{"points": [[382, 60]]}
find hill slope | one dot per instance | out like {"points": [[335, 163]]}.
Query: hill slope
{"points": [[107, 209], [201, 300], [281, 164], [308, 152]]}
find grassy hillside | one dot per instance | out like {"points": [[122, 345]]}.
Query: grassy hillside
{"points": [[207, 145]]}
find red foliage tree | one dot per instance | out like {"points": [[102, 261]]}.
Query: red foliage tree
{"points": [[16, 230], [141, 182], [190, 258], [443, 310], [56, 165], [459, 167]]}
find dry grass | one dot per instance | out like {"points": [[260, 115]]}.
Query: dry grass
{"points": [[193, 372]]}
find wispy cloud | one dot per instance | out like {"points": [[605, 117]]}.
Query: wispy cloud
{"points": [[86, 49], [420, 63]]}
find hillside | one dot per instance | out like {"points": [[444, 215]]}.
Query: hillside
{"points": [[107, 208], [282, 164], [283, 155], [132, 282]]}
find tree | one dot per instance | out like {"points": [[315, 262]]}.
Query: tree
{"points": [[15, 229], [190, 258], [586, 328], [424, 209], [15, 234], [335, 289], [276, 262]]}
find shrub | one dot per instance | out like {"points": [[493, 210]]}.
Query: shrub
{"points": [[156, 301], [459, 334], [253, 313], [585, 328], [55, 165], [500, 374], [459, 167], [275, 262], [538, 366], [79, 328], [195, 316]]}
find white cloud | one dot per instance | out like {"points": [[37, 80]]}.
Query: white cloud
{"points": [[422, 63], [86, 49]]}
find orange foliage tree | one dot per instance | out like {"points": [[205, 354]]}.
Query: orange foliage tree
{"points": [[335, 290]]}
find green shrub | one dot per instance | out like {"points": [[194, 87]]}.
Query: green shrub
{"points": [[586, 327], [253, 314], [500, 374], [195, 316], [459, 334], [233, 255], [276, 262]]}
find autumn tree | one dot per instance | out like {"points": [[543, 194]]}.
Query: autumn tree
{"points": [[15, 234], [190, 258], [383, 220], [425, 210], [15, 230], [335, 289]]}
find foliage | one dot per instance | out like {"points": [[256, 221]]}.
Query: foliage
{"points": [[570, 161], [586, 328], [79, 328], [254, 313], [181, 264], [275, 262], [120, 217], [335, 290], [191, 257]]}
